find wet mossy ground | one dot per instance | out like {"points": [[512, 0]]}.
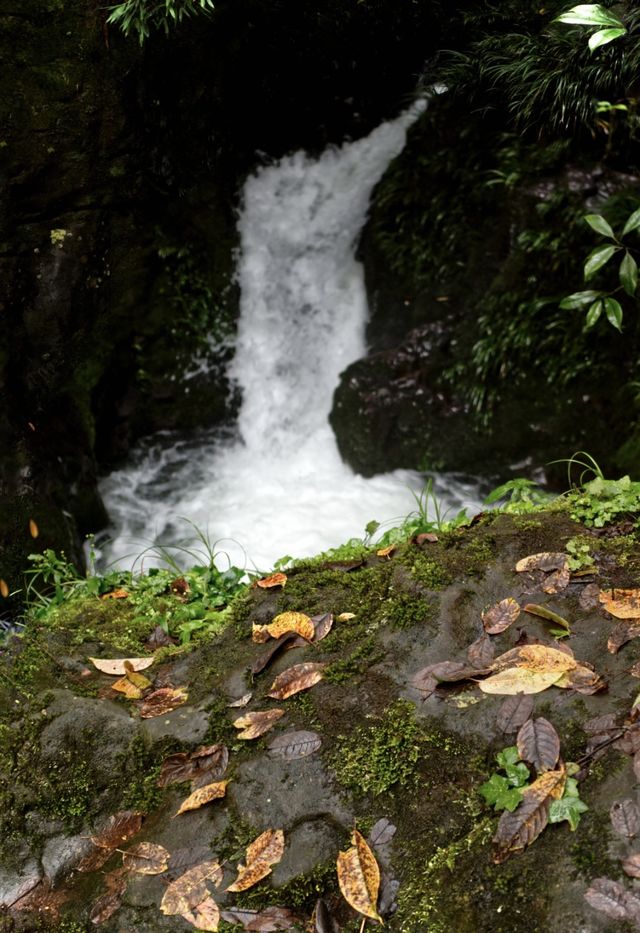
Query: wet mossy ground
{"points": [[71, 753]]}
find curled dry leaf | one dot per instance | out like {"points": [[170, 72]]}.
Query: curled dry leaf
{"points": [[609, 897], [208, 761], [623, 604], [256, 724], [499, 617], [631, 865], [146, 858], [259, 634], [547, 561], [583, 680], [427, 537], [626, 630], [539, 744], [203, 795], [116, 666], [292, 745], [535, 658], [323, 625], [519, 829], [132, 685], [296, 678], [589, 597], [543, 613], [268, 847], [159, 639], [251, 874], [276, 579], [514, 712], [241, 702], [481, 653], [289, 638], [119, 829], [163, 701], [359, 877], [625, 817], [322, 920], [291, 622]]}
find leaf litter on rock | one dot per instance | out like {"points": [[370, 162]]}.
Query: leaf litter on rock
{"points": [[359, 877], [189, 897], [322, 920], [518, 829], [203, 795], [253, 725], [293, 745], [625, 817], [548, 615], [514, 712], [162, 701], [261, 855], [206, 764], [539, 744], [499, 617], [621, 603], [624, 631], [146, 858], [272, 651], [481, 652], [241, 702], [613, 900], [547, 561], [269, 920], [116, 667], [275, 580], [296, 678]]}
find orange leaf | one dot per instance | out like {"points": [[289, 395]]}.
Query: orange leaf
{"points": [[116, 666], [499, 617], [188, 896], [359, 877], [276, 579], [292, 622], [387, 551], [269, 847], [256, 724], [248, 875], [115, 594], [203, 795], [296, 678], [4, 589], [163, 701], [546, 561], [146, 858], [623, 604], [34, 531]]}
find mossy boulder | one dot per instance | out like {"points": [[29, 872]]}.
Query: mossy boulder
{"points": [[74, 753]]}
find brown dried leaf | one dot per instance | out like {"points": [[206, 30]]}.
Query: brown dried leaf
{"points": [[116, 594], [519, 829], [259, 634], [322, 921], [190, 889], [539, 744], [116, 667], [546, 561], [291, 622], [427, 537], [623, 604], [203, 795], [296, 678], [609, 897], [516, 680], [481, 653], [514, 712], [204, 765], [292, 745], [601, 724], [624, 631], [629, 741], [146, 858], [499, 617], [631, 865], [268, 847], [380, 839], [323, 625], [268, 920], [583, 680], [276, 579], [248, 875], [535, 657], [159, 639], [267, 657], [119, 829], [359, 877], [589, 597], [625, 817], [424, 682], [256, 724], [105, 906], [241, 702], [163, 701], [556, 582]]}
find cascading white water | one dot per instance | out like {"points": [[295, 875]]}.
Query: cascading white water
{"points": [[281, 488]]}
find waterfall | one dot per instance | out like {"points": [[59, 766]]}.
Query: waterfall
{"points": [[279, 487]]}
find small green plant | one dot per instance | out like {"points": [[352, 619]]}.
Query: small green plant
{"points": [[522, 495], [141, 16], [579, 551], [601, 302], [504, 789], [609, 27]]}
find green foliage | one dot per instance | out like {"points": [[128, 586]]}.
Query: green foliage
{"points": [[592, 14], [579, 552], [139, 17], [522, 495], [602, 501]]}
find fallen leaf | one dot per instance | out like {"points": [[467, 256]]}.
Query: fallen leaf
{"points": [[34, 531], [132, 685], [519, 680], [248, 875], [539, 744], [387, 551], [116, 666], [268, 920], [241, 702], [547, 561], [427, 537], [346, 616], [268, 847], [203, 795], [163, 701], [601, 724], [146, 858], [636, 765], [276, 579], [543, 613], [296, 678], [322, 625], [105, 906], [380, 839], [625, 817], [631, 865], [556, 582], [609, 897], [514, 712], [624, 631], [267, 657], [589, 597], [629, 741], [190, 889], [159, 639], [202, 766], [499, 617], [115, 594], [481, 652], [359, 877], [291, 622], [292, 745], [424, 682], [519, 829], [42, 900], [540, 658], [205, 916], [256, 724], [583, 680], [322, 921], [119, 829], [4, 589], [259, 634], [623, 604]]}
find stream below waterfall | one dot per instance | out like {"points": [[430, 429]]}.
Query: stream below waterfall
{"points": [[277, 486]]}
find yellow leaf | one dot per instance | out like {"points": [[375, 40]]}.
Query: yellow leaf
{"points": [[259, 634], [345, 616], [547, 561], [359, 877], [116, 666], [248, 875], [519, 680], [291, 622], [146, 858], [623, 604], [34, 531], [163, 701], [189, 898], [535, 658], [387, 551], [203, 795], [296, 678], [4, 589], [256, 724], [269, 847]]}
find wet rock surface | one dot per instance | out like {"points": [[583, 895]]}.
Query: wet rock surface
{"points": [[75, 754]]}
